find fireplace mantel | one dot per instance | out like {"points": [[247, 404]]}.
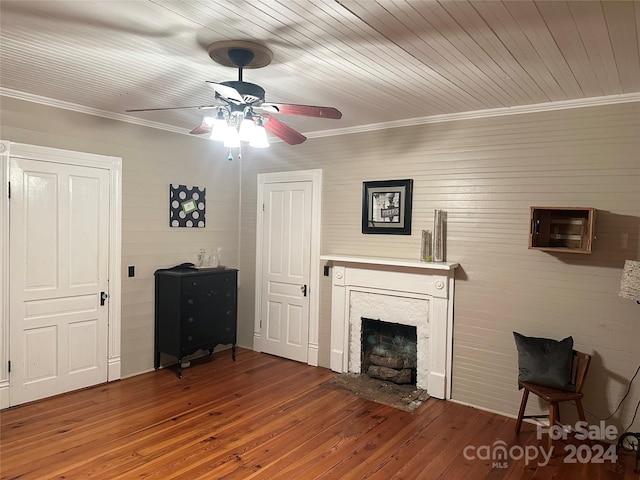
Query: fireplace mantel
{"points": [[391, 262], [384, 278]]}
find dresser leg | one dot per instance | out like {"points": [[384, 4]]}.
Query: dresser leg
{"points": [[180, 368], [233, 352]]}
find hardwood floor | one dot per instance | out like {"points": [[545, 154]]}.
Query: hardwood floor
{"points": [[261, 417]]}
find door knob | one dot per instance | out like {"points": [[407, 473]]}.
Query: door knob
{"points": [[103, 298]]}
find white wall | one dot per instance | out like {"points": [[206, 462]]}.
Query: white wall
{"points": [[486, 173], [151, 160]]}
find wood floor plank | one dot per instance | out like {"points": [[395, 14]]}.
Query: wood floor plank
{"points": [[315, 456], [260, 417], [239, 438], [392, 443], [307, 424], [408, 457], [181, 435]]}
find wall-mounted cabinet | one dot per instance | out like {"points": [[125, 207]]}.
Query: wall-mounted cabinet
{"points": [[562, 229]]}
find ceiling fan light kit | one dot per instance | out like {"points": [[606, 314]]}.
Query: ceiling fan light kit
{"points": [[242, 113], [259, 136], [247, 127], [232, 137], [217, 126], [234, 127]]}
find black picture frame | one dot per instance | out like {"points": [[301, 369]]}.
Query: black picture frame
{"points": [[386, 206]]}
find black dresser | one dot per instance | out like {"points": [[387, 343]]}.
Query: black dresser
{"points": [[195, 309]]}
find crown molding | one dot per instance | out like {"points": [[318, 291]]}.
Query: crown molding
{"points": [[449, 117], [52, 102], [487, 113]]}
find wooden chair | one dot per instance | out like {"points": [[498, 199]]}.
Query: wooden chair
{"points": [[553, 396]]}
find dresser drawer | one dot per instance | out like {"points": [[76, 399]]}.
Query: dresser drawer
{"points": [[207, 306], [209, 284], [191, 339]]}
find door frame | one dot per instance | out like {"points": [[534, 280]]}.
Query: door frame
{"points": [[54, 155], [315, 177]]}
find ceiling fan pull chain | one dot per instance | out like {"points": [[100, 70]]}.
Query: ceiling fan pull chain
{"points": [[230, 157]]}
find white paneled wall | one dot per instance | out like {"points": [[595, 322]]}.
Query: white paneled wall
{"points": [[486, 173], [151, 160]]}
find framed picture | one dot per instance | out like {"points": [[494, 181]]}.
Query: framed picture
{"points": [[386, 207], [187, 206]]}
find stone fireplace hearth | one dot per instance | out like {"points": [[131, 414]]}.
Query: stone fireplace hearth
{"points": [[397, 291]]}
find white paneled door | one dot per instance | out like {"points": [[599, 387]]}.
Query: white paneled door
{"points": [[59, 242], [286, 257]]}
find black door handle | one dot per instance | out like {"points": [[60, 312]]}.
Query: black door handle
{"points": [[304, 290], [103, 298]]}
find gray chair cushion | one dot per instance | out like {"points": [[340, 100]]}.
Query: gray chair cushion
{"points": [[544, 361]]}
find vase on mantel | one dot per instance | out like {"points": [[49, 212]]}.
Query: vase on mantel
{"points": [[426, 246], [439, 234]]}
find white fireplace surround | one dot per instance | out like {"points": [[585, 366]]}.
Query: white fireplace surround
{"points": [[398, 291], [391, 307]]}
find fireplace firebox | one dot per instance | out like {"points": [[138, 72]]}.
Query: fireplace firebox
{"points": [[389, 351]]}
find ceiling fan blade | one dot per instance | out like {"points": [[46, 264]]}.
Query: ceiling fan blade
{"points": [[200, 129], [226, 92], [199, 107], [267, 108], [305, 110], [282, 131]]}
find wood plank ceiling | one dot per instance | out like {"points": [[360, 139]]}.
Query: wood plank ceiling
{"points": [[377, 61]]}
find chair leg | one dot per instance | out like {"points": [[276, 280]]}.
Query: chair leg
{"points": [[554, 418], [523, 406], [582, 417], [580, 410]]}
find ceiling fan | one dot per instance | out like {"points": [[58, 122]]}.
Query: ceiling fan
{"points": [[241, 110]]}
